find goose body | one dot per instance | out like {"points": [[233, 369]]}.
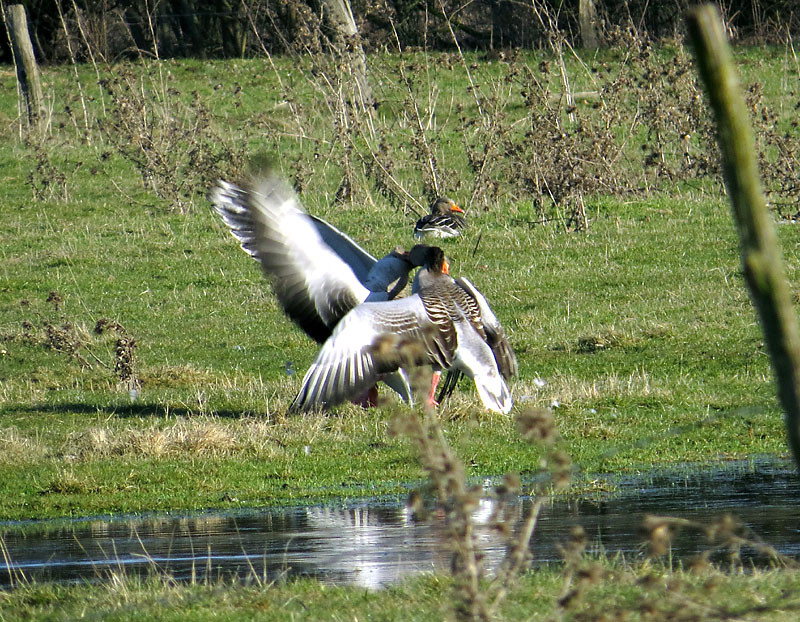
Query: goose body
{"points": [[446, 220], [447, 324], [318, 273]]}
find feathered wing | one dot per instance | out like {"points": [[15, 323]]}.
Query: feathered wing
{"points": [[439, 226], [315, 286], [487, 335], [371, 342], [475, 358], [495, 333], [359, 260], [376, 339]]}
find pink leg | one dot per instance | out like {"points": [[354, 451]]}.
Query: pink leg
{"points": [[437, 375]]}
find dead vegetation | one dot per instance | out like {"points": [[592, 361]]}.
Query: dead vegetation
{"points": [[107, 349], [199, 435], [658, 592], [475, 594], [636, 125]]}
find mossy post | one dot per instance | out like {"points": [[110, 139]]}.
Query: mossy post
{"points": [[342, 16], [587, 21], [761, 258], [27, 71]]}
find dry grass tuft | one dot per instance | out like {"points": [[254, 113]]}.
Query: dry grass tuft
{"points": [[201, 436], [67, 482], [565, 389], [16, 448]]}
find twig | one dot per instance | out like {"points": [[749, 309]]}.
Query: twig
{"points": [[478, 241], [292, 107], [90, 52], [516, 557], [75, 71]]}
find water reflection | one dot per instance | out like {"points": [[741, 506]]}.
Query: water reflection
{"points": [[374, 544]]}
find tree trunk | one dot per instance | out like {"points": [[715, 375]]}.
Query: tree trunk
{"points": [[587, 18], [342, 18], [30, 86]]}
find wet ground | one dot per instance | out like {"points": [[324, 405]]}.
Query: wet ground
{"points": [[374, 543]]}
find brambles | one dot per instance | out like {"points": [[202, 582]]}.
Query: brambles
{"points": [[554, 131], [72, 339], [174, 144]]}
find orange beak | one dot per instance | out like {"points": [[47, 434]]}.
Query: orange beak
{"points": [[445, 267], [456, 208]]}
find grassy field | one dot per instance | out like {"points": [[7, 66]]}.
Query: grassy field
{"points": [[636, 330], [596, 590], [640, 328]]}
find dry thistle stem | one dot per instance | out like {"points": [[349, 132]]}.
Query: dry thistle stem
{"points": [[537, 425]]}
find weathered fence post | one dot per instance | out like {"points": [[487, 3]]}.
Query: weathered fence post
{"points": [[587, 21], [761, 258], [30, 86], [342, 16]]}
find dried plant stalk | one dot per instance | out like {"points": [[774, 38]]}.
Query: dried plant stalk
{"points": [[761, 259]]}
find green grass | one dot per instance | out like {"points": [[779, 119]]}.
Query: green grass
{"points": [[595, 590], [640, 327]]}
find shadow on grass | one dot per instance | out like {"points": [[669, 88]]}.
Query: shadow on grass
{"points": [[136, 410]]}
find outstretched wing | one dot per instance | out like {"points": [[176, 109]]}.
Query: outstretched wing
{"points": [[495, 333], [359, 260], [313, 283], [372, 340]]}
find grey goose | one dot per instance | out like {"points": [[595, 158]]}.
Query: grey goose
{"points": [[446, 220], [451, 321], [317, 272]]}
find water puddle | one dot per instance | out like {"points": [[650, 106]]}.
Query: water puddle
{"points": [[373, 544]]}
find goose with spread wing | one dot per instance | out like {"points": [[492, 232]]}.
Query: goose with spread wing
{"points": [[446, 323], [317, 272], [446, 220]]}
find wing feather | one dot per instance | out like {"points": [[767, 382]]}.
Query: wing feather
{"points": [[495, 333], [313, 283], [352, 359]]}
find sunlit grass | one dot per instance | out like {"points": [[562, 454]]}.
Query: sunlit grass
{"points": [[638, 332], [592, 590]]}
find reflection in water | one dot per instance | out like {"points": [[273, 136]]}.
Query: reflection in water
{"points": [[376, 543]]}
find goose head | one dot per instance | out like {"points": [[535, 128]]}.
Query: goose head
{"points": [[444, 206], [429, 257]]}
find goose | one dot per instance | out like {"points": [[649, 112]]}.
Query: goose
{"points": [[447, 323], [446, 220], [317, 272]]}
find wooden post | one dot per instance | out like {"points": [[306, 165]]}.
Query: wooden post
{"points": [[342, 16], [27, 71], [587, 20], [761, 257]]}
